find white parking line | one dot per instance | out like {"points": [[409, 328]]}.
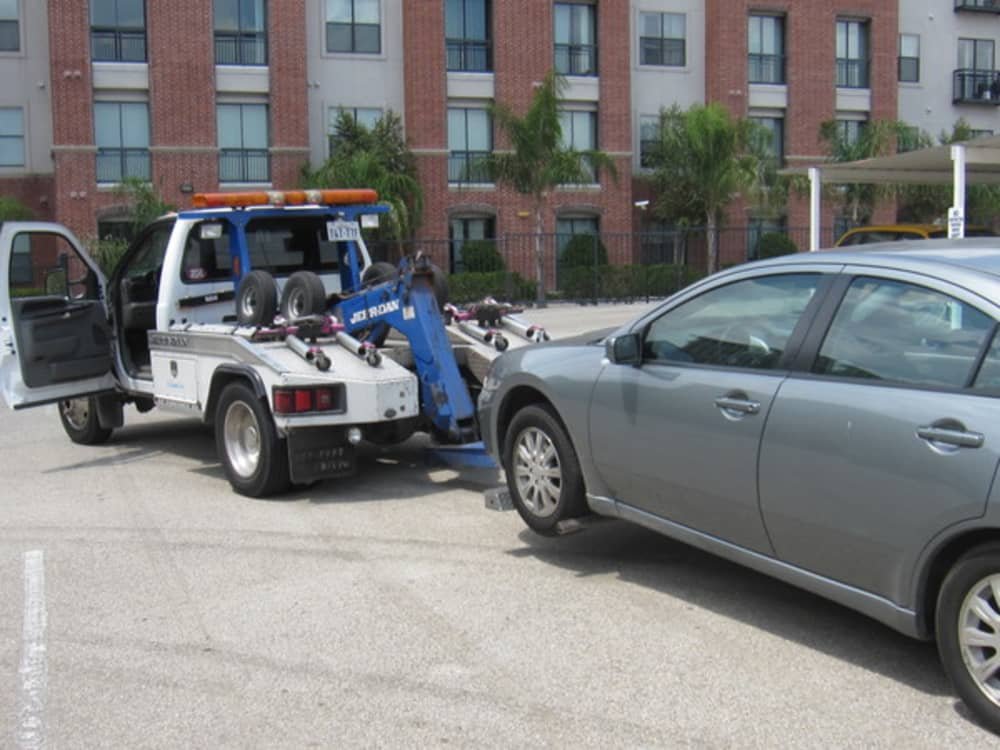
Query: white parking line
{"points": [[33, 670]]}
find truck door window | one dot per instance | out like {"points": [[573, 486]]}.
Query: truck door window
{"points": [[44, 264], [206, 258]]}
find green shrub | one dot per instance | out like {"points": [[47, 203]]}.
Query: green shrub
{"points": [[625, 282], [106, 252], [773, 244], [481, 256], [579, 252], [473, 286], [11, 209]]}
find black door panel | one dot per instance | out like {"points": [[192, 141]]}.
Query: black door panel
{"points": [[61, 339]]}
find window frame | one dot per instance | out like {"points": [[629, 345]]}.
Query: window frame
{"points": [[119, 34], [661, 40], [574, 47], [18, 27], [123, 151], [761, 57], [853, 69], [333, 112], [455, 244], [466, 158], [353, 24], [902, 59], [241, 35], [244, 152], [23, 138], [468, 46], [568, 137]]}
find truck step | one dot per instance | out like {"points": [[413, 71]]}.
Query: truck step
{"points": [[470, 456]]}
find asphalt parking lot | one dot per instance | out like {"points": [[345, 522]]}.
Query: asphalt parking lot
{"points": [[147, 605]]}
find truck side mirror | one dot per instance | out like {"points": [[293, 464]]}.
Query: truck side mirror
{"points": [[624, 349]]}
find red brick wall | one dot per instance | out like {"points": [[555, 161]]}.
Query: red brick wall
{"points": [[35, 192], [288, 101]]}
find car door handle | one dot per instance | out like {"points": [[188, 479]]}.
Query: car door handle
{"points": [[961, 438], [741, 405]]}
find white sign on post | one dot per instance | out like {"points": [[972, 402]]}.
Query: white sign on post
{"points": [[956, 223]]}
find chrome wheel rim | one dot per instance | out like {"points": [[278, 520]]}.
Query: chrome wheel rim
{"points": [[76, 412], [242, 436], [979, 635], [296, 304], [249, 303], [537, 472]]}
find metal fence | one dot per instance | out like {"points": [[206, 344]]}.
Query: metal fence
{"points": [[592, 267]]}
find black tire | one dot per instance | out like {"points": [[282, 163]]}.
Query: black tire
{"points": [[79, 420], [254, 458], [954, 616], [256, 299], [302, 296], [542, 501], [378, 273]]}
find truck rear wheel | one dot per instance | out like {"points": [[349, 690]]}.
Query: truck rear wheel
{"points": [[256, 299], [79, 420], [254, 458], [303, 295]]}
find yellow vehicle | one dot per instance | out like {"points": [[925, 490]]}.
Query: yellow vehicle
{"points": [[893, 232]]}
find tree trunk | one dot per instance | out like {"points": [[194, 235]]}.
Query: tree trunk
{"points": [[712, 241], [539, 258]]}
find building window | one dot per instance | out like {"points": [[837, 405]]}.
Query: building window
{"points": [[663, 39], [473, 230], [121, 132], [470, 142], [579, 131], [10, 30], [766, 45], [243, 142], [568, 227], [117, 31], [353, 26], [850, 131], [775, 127], [467, 33], [909, 58], [649, 139], [11, 137], [240, 32], [852, 54], [364, 116], [576, 39], [976, 78], [908, 139]]}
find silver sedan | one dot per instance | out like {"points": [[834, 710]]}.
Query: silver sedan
{"points": [[831, 419]]}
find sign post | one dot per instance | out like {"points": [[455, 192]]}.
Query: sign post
{"points": [[956, 222]]}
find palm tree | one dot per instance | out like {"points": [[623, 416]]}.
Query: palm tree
{"points": [[376, 158], [875, 138], [539, 159], [702, 159]]}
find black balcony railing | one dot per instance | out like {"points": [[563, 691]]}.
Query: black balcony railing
{"points": [[576, 59], [116, 164], [471, 56], [244, 165], [766, 68], [980, 6], [240, 49], [114, 45], [976, 86], [852, 73], [468, 166]]}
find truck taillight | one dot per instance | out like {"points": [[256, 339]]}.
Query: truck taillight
{"points": [[308, 400]]}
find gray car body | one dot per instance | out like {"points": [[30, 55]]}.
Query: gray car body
{"points": [[908, 543]]}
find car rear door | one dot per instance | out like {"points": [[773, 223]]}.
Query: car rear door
{"points": [[886, 439], [55, 340], [678, 436]]}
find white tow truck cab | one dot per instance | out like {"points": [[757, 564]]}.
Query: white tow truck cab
{"points": [[163, 331]]}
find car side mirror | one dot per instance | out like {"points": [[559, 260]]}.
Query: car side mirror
{"points": [[624, 349]]}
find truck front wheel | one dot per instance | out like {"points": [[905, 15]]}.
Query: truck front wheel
{"points": [[79, 419], [252, 454]]}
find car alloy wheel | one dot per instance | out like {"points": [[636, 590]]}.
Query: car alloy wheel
{"points": [[979, 635], [537, 471]]}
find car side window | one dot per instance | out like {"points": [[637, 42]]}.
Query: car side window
{"points": [[904, 333], [743, 324], [206, 254], [45, 264], [988, 377]]}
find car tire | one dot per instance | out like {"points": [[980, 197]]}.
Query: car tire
{"points": [[543, 472], [969, 591], [79, 420], [254, 458], [302, 296], [256, 299]]}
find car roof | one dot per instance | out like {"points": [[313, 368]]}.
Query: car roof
{"points": [[896, 228]]}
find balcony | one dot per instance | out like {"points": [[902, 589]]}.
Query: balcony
{"points": [[976, 87], [852, 73], [468, 166], [469, 56], [116, 164], [240, 49], [115, 45], [978, 6], [244, 165], [576, 59], [766, 69]]}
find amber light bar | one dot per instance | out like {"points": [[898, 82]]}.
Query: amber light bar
{"points": [[327, 197]]}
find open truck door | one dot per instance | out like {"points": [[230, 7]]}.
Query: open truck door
{"points": [[55, 339]]}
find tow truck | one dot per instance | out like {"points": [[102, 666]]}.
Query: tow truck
{"points": [[262, 314]]}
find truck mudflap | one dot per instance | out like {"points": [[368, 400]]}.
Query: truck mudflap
{"points": [[319, 453]]}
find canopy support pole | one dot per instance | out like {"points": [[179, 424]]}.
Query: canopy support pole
{"points": [[814, 208], [956, 216]]}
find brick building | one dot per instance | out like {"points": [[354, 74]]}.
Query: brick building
{"points": [[201, 94]]}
